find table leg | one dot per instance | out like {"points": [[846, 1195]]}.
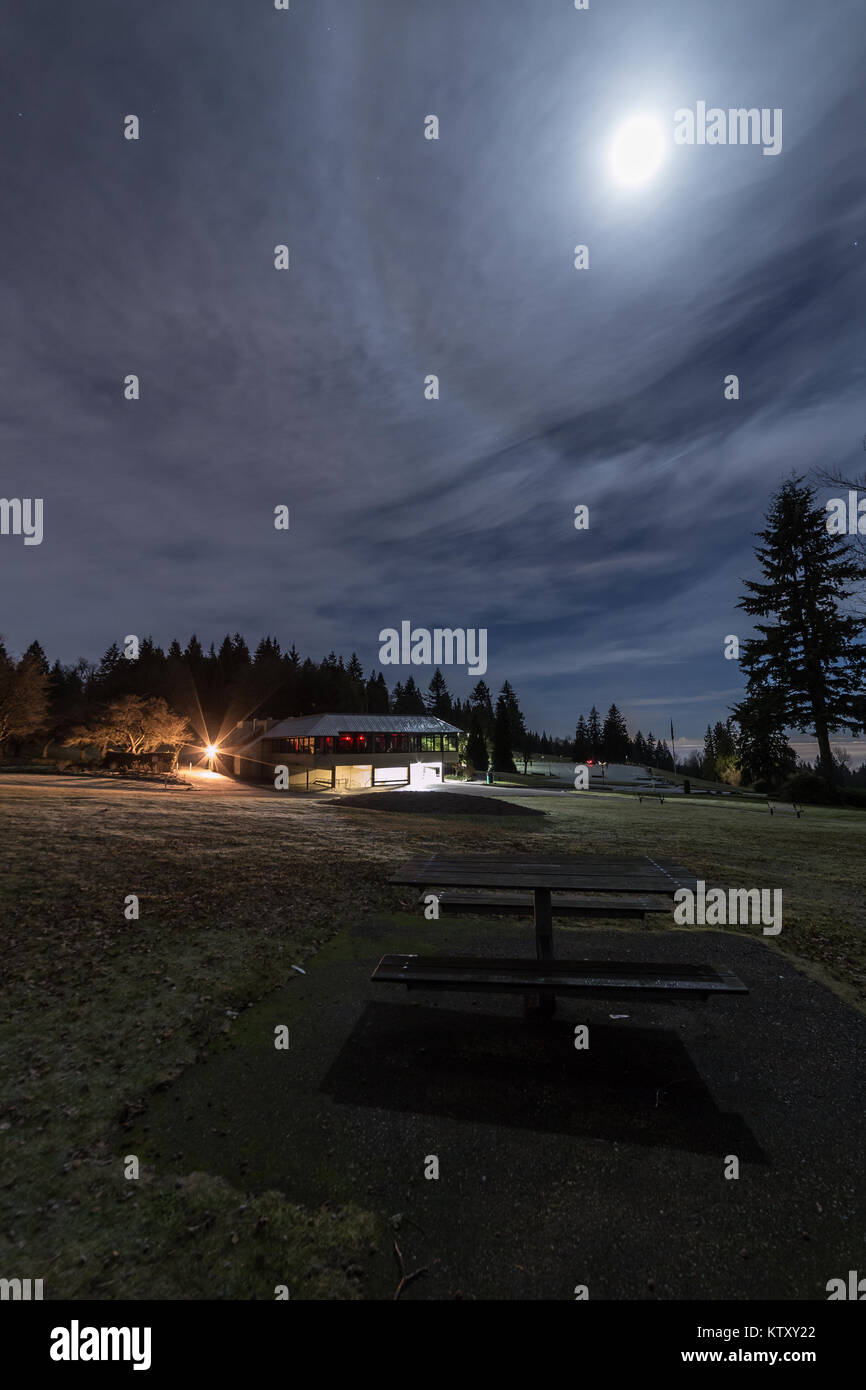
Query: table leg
{"points": [[542, 1005]]}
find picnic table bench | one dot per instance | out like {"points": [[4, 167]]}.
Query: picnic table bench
{"points": [[603, 978], [796, 808], [651, 792], [542, 979], [497, 904]]}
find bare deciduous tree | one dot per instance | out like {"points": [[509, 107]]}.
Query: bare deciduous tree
{"points": [[134, 724]]}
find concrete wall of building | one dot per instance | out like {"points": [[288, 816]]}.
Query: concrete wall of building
{"points": [[319, 771]]}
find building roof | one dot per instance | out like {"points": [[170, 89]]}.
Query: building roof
{"points": [[330, 725]]}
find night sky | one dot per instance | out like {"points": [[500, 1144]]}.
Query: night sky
{"points": [[411, 257]]}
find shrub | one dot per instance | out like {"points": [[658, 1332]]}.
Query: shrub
{"points": [[810, 790]]}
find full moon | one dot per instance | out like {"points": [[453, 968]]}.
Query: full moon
{"points": [[637, 151]]}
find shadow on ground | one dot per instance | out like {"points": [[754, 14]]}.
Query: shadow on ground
{"points": [[632, 1084], [557, 1167]]}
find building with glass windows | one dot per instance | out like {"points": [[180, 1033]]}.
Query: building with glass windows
{"points": [[342, 752]]}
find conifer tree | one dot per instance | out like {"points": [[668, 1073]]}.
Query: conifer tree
{"points": [[503, 752], [476, 744], [808, 660], [357, 688], [580, 749], [36, 654], [517, 736], [410, 700], [763, 752], [594, 731], [480, 701], [708, 760], [438, 699], [614, 737]]}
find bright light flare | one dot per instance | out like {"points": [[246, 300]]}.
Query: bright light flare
{"points": [[211, 750], [423, 777], [637, 151]]}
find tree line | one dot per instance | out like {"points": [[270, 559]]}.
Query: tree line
{"points": [[610, 742], [805, 669], [183, 694], [166, 698]]}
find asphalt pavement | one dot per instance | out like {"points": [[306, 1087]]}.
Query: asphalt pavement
{"points": [[557, 1167]]}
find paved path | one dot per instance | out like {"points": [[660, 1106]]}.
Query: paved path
{"points": [[557, 1167]]}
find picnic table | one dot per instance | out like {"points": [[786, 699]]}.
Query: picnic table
{"points": [[542, 979]]}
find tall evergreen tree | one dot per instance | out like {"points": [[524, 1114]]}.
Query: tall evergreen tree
{"points": [[347, 690], [383, 701], [516, 725], [36, 654], [357, 685], [763, 751], [24, 691], [376, 694], [581, 748], [308, 689], [614, 737], [438, 699], [110, 671], [503, 748], [331, 673], [226, 659], [808, 649], [194, 656], [725, 748], [662, 757], [481, 702], [593, 728], [476, 743], [411, 700], [58, 680], [708, 760]]}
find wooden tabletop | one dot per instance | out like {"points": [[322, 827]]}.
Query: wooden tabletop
{"points": [[575, 873]]}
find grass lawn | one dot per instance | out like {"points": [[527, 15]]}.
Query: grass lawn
{"points": [[234, 890]]}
